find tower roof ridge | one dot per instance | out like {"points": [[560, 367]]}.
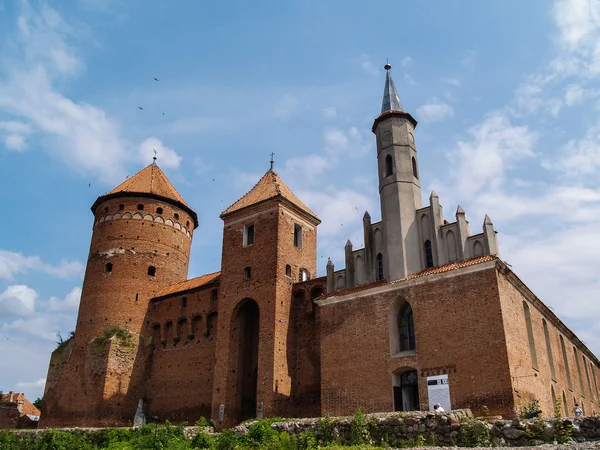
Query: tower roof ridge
{"points": [[270, 186]]}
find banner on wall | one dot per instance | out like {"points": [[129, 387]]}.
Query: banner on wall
{"points": [[438, 391]]}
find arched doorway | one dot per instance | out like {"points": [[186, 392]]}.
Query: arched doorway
{"points": [[246, 328], [406, 390]]}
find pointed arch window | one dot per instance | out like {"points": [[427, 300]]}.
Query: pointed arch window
{"points": [[428, 254], [406, 326], [379, 266], [389, 165]]}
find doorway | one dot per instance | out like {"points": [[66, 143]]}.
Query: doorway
{"points": [[406, 391], [247, 322]]}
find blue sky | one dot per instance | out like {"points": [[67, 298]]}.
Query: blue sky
{"points": [[506, 95]]}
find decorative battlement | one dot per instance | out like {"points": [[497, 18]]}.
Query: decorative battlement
{"points": [[149, 217]]}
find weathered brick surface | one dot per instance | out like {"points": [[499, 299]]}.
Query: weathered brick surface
{"points": [[537, 382], [458, 329], [87, 384], [181, 376], [271, 289]]}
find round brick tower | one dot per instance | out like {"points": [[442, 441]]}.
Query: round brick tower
{"points": [[140, 244]]}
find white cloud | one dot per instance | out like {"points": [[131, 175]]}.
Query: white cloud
{"points": [[307, 168], [495, 145], [14, 126], [435, 111], [166, 157], [329, 112], [576, 94], [36, 385], [407, 61], [579, 156], [365, 62], [469, 59], [81, 135], [18, 300], [69, 303], [42, 326], [451, 81], [12, 263], [15, 142], [286, 106]]}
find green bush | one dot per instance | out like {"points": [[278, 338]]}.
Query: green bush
{"points": [[474, 433], [359, 428], [325, 429], [123, 335], [307, 441], [227, 440]]}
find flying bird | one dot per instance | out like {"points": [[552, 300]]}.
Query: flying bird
{"points": [[89, 184], [156, 79], [140, 108]]}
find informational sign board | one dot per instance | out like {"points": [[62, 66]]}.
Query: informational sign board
{"points": [[438, 391], [221, 412]]}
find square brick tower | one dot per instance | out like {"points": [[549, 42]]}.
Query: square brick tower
{"points": [[269, 242]]}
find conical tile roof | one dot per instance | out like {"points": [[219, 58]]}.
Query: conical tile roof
{"points": [[150, 180], [270, 186]]}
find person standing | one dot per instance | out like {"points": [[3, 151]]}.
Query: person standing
{"points": [[577, 410]]}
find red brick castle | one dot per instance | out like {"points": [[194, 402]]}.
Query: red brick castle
{"points": [[424, 300]]}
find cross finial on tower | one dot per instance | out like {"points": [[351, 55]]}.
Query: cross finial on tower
{"points": [[154, 157], [272, 162]]}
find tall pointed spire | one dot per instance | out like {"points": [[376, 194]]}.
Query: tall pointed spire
{"points": [[391, 101]]}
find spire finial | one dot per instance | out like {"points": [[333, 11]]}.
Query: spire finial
{"points": [[272, 162], [391, 101], [154, 158]]}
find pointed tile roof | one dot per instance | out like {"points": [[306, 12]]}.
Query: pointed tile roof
{"points": [[148, 182], [270, 186], [391, 101]]}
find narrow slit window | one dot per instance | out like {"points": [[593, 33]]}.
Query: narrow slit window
{"points": [[159, 210], [406, 327], [213, 295], [297, 236], [428, 254], [121, 207], [304, 275], [379, 267], [105, 209], [108, 268], [176, 216], [247, 273], [140, 207], [151, 271], [183, 302], [288, 270]]}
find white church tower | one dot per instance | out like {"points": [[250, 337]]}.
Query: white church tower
{"points": [[410, 238], [399, 185]]}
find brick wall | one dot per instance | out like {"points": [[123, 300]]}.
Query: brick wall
{"points": [[271, 289], [458, 328], [179, 387], [92, 385], [536, 381]]}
